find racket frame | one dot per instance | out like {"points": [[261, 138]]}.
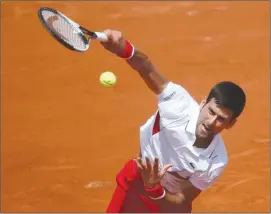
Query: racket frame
{"points": [[80, 33]]}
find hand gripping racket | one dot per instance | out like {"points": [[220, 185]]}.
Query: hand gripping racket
{"points": [[66, 31]]}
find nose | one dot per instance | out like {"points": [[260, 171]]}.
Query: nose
{"points": [[212, 121]]}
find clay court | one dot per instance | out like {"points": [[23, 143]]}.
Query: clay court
{"points": [[64, 136]]}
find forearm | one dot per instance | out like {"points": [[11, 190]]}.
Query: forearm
{"points": [[152, 77]]}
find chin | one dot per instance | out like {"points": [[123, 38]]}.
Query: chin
{"points": [[203, 135]]}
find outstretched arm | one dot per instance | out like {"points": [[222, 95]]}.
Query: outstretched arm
{"points": [[137, 60], [152, 77]]}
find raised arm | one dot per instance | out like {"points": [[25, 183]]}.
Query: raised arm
{"points": [[136, 59]]}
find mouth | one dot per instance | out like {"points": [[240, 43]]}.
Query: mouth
{"points": [[206, 129]]}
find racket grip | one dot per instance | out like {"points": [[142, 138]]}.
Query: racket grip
{"points": [[101, 36]]}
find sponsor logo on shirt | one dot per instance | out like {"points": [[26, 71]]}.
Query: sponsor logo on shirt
{"points": [[169, 96]]}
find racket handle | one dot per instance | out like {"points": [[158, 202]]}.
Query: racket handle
{"points": [[101, 36]]}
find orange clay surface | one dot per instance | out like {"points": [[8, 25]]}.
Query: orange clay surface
{"points": [[64, 136]]}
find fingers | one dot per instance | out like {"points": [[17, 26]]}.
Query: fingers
{"points": [[116, 43], [156, 166], [109, 35], [153, 168], [164, 170], [147, 166], [141, 165], [148, 163], [113, 36]]}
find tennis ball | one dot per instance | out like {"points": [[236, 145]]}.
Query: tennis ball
{"points": [[108, 79]]}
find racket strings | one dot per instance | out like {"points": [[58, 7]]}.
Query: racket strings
{"points": [[64, 29]]}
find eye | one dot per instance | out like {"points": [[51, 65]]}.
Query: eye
{"points": [[211, 112], [221, 119]]}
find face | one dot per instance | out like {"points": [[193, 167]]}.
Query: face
{"points": [[213, 119]]}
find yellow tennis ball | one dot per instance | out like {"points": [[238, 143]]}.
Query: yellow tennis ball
{"points": [[108, 79]]}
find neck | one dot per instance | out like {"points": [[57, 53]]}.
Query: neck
{"points": [[203, 142]]}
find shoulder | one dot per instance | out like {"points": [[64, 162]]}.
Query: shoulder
{"points": [[175, 92], [175, 102]]}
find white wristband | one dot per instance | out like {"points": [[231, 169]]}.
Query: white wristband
{"points": [[160, 197]]}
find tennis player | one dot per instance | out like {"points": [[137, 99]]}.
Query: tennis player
{"points": [[181, 150]]}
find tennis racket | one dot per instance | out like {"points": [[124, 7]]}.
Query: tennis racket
{"points": [[67, 32]]}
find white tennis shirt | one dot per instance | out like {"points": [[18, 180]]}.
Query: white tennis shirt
{"points": [[173, 143]]}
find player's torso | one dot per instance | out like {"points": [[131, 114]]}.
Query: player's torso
{"points": [[172, 145]]}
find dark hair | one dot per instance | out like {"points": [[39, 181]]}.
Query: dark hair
{"points": [[229, 95]]}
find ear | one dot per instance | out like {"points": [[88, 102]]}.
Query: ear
{"points": [[203, 102], [231, 124]]}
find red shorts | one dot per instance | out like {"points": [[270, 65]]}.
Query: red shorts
{"points": [[129, 196]]}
